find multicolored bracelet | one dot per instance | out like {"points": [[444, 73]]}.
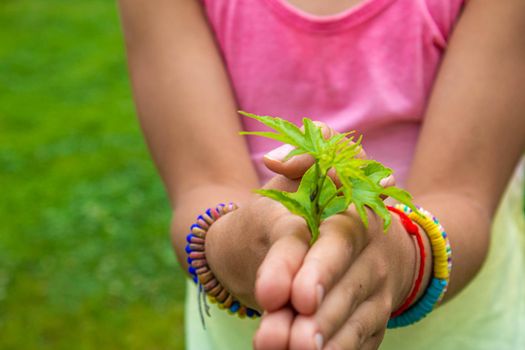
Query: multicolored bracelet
{"points": [[412, 230], [442, 265], [200, 271]]}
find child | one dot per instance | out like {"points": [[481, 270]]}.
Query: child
{"points": [[444, 108]]}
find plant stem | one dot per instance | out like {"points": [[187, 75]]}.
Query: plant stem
{"points": [[316, 210], [326, 204]]}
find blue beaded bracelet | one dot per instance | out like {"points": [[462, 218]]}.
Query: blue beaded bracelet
{"points": [[201, 272]]}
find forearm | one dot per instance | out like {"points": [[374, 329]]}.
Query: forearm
{"points": [[184, 100], [474, 130]]}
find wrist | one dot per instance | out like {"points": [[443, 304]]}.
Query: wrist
{"points": [[409, 264], [236, 246], [191, 203]]}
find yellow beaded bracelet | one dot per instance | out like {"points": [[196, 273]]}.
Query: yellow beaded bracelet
{"points": [[442, 265]]}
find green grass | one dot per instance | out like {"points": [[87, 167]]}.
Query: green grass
{"points": [[85, 258]]}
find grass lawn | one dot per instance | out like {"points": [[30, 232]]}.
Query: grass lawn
{"points": [[85, 258]]}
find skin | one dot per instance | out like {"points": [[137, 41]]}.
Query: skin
{"points": [[338, 294]]}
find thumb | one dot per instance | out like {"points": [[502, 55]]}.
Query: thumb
{"points": [[295, 167]]}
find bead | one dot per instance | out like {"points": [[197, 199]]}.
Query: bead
{"points": [[210, 284], [196, 240], [242, 311], [229, 300], [188, 249], [194, 278], [202, 223], [199, 263], [202, 269], [196, 247], [235, 306], [191, 270], [195, 226], [223, 294], [215, 291], [197, 255], [198, 232], [205, 277], [215, 214], [207, 218]]}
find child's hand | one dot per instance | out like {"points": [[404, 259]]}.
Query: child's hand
{"points": [[327, 271], [349, 283], [295, 167], [261, 229]]}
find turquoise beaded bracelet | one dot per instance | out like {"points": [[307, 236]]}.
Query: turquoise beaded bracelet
{"points": [[201, 273]]}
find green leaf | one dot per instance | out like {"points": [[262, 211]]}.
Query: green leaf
{"points": [[313, 136], [376, 171], [306, 187], [298, 202], [287, 199], [293, 153], [401, 196], [269, 135], [335, 206], [366, 193], [328, 191], [289, 131]]}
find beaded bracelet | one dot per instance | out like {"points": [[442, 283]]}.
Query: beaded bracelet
{"points": [[200, 271], [412, 230], [442, 265]]}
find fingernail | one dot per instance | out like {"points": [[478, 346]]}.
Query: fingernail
{"points": [[385, 181], [320, 294], [279, 153], [319, 341]]}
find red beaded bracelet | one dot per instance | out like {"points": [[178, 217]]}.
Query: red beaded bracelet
{"points": [[412, 230]]}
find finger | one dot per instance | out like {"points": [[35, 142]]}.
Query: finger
{"points": [[296, 166], [281, 263], [358, 284], [364, 329], [282, 183], [326, 262], [388, 181], [274, 330], [374, 341]]}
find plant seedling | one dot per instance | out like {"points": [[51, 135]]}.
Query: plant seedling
{"points": [[317, 197]]}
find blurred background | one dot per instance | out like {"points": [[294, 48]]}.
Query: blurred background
{"points": [[85, 256]]}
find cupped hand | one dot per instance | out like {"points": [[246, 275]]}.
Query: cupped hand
{"points": [[262, 230], [342, 295]]}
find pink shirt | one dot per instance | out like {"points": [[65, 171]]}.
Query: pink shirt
{"points": [[370, 68]]}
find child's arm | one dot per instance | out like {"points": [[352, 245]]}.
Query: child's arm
{"points": [[188, 115], [186, 108], [473, 136]]}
